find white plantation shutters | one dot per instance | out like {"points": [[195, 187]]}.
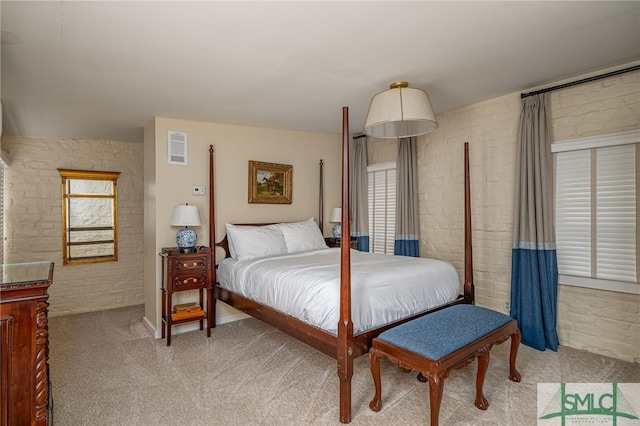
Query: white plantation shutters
{"points": [[573, 207], [382, 207], [596, 212], [616, 213]]}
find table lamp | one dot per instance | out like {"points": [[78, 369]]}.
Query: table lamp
{"points": [[336, 216], [186, 216]]}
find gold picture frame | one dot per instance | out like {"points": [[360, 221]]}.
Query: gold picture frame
{"points": [[269, 183]]}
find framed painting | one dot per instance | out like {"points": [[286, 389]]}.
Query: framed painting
{"points": [[269, 183]]}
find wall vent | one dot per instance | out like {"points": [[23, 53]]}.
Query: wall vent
{"points": [[177, 148]]}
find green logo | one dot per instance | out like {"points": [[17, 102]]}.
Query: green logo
{"points": [[589, 406]]}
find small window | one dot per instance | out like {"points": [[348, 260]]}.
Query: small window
{"points": [[89, 216]]}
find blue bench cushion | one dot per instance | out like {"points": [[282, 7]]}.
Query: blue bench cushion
{"points": [[436, 335]]}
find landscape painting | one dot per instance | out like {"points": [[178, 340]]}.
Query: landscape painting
{"points": [[269, 183]]}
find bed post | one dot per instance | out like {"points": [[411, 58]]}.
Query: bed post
{"points": [[212, 240], [321, 199], [345, 326], [469, 290]]}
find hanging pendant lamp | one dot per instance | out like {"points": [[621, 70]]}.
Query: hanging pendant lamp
{"points": [[400, 112]]}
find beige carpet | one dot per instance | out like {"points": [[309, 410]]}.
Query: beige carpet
{"points": [[107, 370]]}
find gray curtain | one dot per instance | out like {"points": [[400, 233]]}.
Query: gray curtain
{"points": [[359, 194], [407, 241], [534, 275]]}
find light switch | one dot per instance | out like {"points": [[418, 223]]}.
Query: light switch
{"points": [[198, 190]]}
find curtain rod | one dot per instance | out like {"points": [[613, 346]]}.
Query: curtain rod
{"points": [[585, 80]]}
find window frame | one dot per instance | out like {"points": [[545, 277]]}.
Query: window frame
{"points": [[68, 176], [591, 143]]}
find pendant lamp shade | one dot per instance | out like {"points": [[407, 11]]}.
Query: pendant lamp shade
{"points": [[400, 112]]}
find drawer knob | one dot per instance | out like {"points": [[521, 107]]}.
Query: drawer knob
{"points": [[189, 279]]}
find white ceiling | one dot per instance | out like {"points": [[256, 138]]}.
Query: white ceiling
{"points": [[102, 70]]}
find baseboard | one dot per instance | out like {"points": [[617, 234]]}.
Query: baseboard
{"points": [[151, 328], [193, 325], [231, 318]]}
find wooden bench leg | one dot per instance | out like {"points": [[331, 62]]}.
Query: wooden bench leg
{"points": [[483, 363], [374, 362], [436, 388], [514, 375]]}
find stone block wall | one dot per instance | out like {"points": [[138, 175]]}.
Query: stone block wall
{"points": [[599, 321], [33, 221], [490, 128]]}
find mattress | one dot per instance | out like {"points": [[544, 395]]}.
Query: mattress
{"points": [[306, 285]]}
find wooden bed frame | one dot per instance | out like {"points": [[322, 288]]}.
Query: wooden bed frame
{"points": [[346, 346]]}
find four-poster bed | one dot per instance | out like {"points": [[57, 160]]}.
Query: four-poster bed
{"points": [[344, 344]]}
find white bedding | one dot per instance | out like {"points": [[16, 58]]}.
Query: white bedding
{"points": [[306, 285]]}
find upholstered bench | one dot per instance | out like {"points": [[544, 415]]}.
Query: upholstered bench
{"points": [[443, 341]]}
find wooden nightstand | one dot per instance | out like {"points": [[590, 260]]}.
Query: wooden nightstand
{"points": [[181, 272], [335, 242]]}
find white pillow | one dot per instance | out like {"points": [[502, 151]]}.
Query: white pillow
{"points": [[247, 242], [301, 236], [232, 250]]}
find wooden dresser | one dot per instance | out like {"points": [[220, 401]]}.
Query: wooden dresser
{"points": [[24, 337]]}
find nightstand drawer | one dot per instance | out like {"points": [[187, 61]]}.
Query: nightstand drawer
{"points": [[191, 264], [189, 281]]}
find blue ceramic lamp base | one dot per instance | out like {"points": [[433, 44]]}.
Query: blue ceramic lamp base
{"points": [[337, 231], [186, 239]]}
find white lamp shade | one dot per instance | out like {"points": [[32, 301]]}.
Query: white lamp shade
{"points": [[400, 112], [336, 215], [185, 216]]}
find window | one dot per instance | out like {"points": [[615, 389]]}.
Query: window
{"points": [[596, 214], [89, 216], [382, 207]]}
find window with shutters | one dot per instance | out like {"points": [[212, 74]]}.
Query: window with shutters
{"points": [[596, 211], [89, 216], [382, 207]]}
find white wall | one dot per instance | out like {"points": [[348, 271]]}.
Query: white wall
{"points": [[599, 321], [168, 185], [34, 219]]}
